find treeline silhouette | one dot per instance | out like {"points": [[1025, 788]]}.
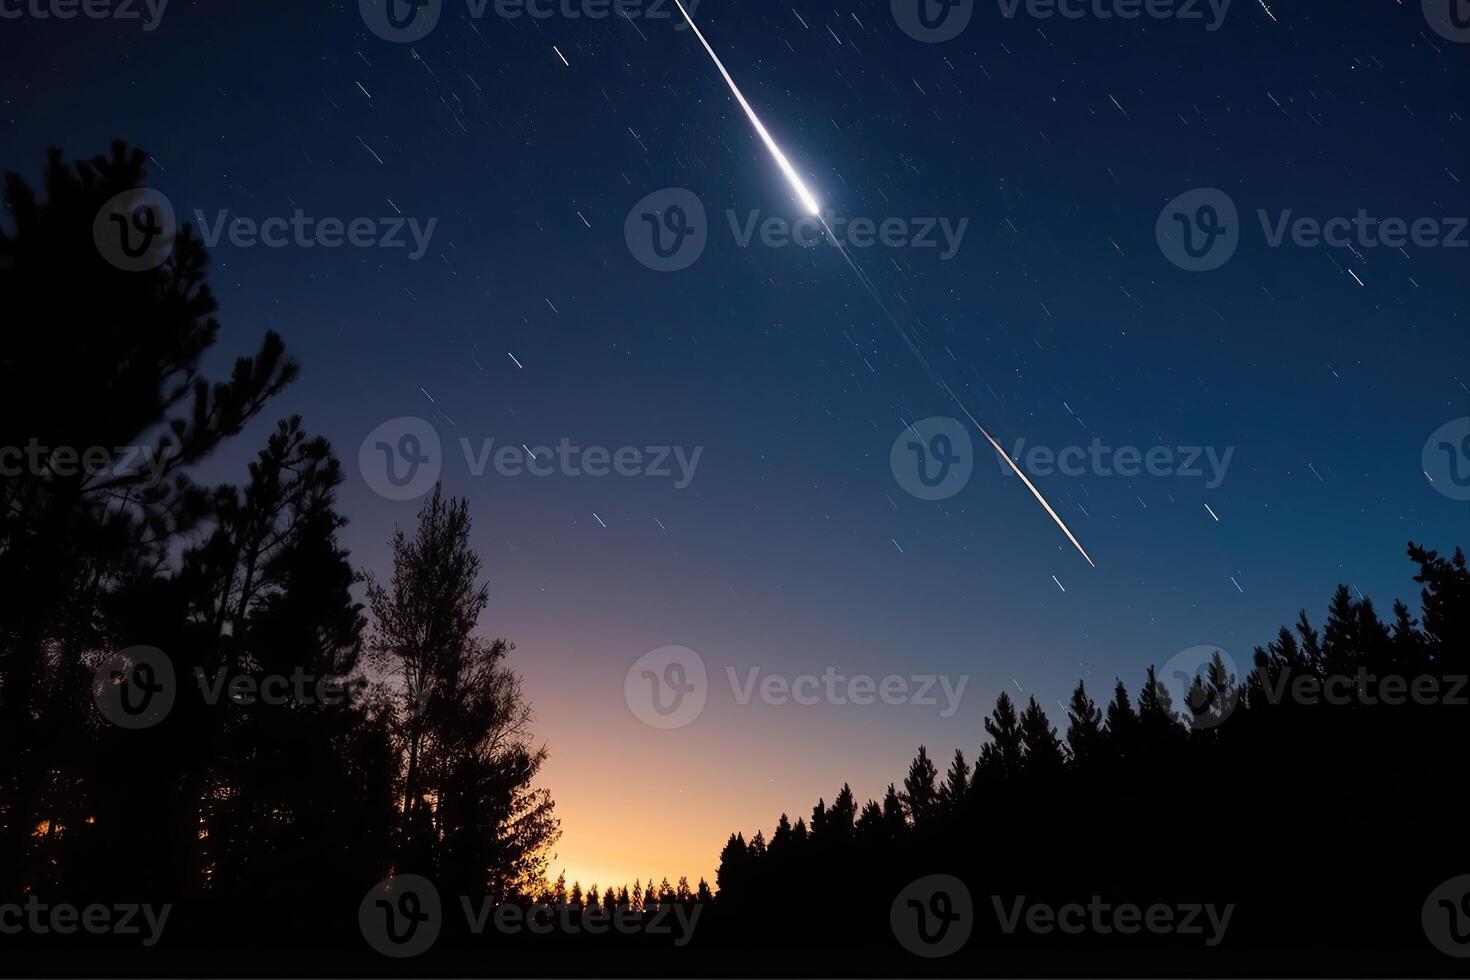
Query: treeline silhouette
{"points": [[427, 767], [1326, 810], [642, 897]]}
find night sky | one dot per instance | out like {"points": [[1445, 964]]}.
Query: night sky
{"points": [[1060, 319]]}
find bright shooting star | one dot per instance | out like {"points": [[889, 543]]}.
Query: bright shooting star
{"points": [[809, 203], [805, 196]]}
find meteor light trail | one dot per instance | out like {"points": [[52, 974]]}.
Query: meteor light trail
{"points": [[802, 194], [810, 204]]}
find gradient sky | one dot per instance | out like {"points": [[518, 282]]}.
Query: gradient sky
{"points": [[794, 548]]}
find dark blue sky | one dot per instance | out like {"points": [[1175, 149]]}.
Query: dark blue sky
{"points": [[1060, 320]]}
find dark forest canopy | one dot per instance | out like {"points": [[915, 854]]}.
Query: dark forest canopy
{"points": [[427, 766], [1322, 790]]}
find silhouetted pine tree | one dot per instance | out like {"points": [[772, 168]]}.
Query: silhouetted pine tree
{"points": [[869, 829], [1158, 721], [1002, 757], [1084, 729], [730, 876], [296, 790], [840, 818], [1043, 750], [470, 814], [894, 822], [1122, 726], [127, 346], [956, 788], [920, 795]]}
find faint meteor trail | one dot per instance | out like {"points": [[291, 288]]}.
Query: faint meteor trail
{"points": [[809, 203], [1029, 485]]}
